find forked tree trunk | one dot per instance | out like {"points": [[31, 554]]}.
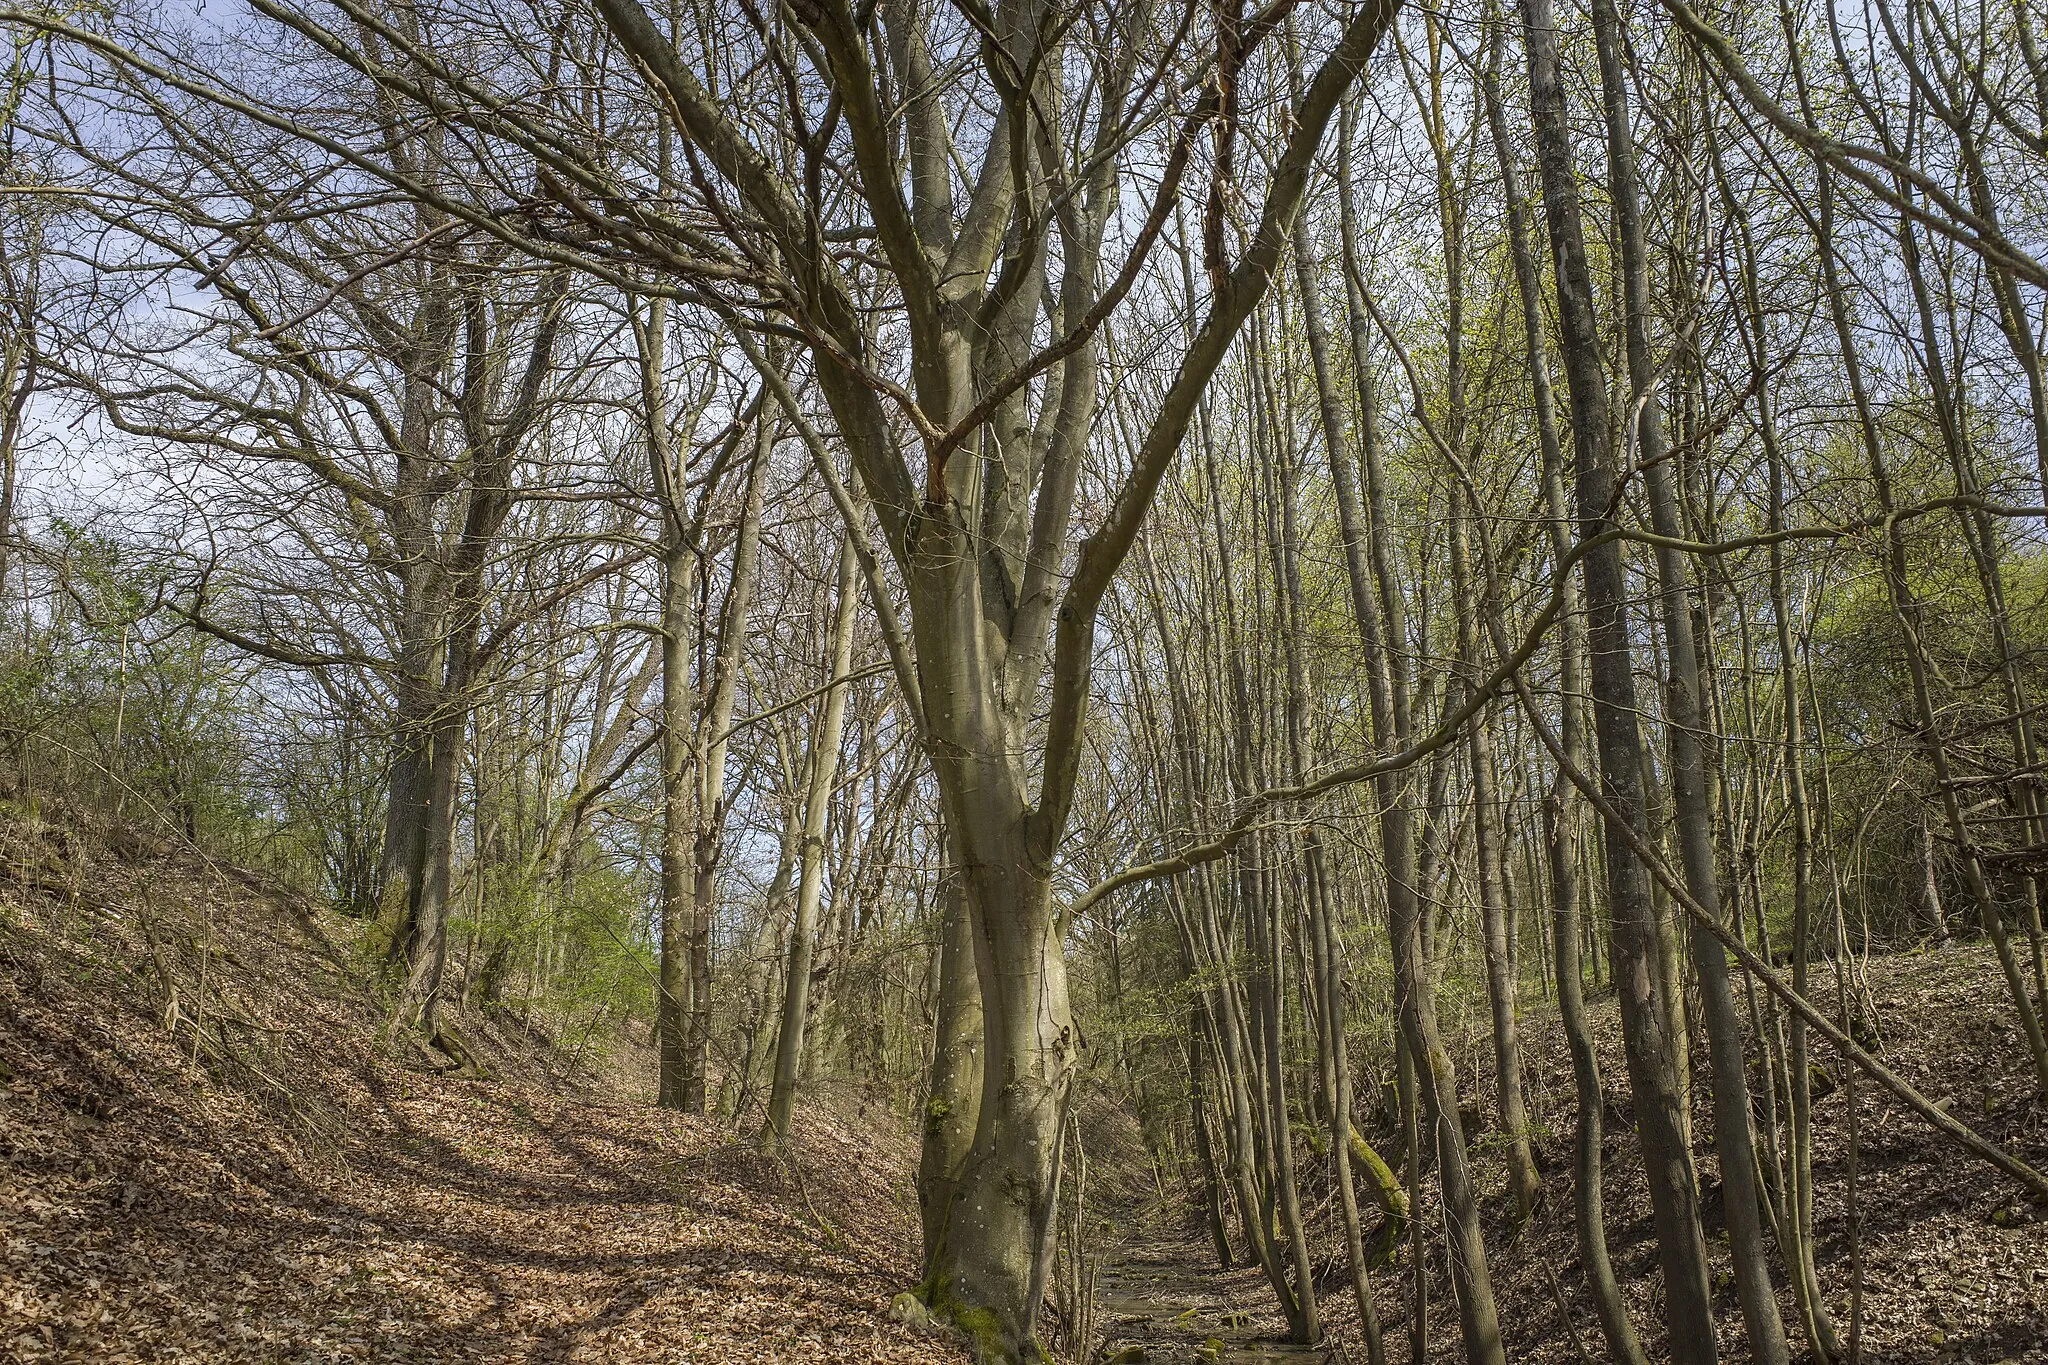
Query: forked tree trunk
{"points": [[426, 948], [971, 526], [986, 1273], [491, 442]]}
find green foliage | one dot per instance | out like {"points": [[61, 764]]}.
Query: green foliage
{"points": [[103, 695]]}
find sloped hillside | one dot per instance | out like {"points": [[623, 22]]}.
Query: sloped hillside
{"points": [[1951, 1258], [213, 1151]]}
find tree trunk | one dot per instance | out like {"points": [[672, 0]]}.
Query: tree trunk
{"points": [[678, 718], [1795, 1220], [426, 947], [1199, 1043], [1560, 807], [953, 1098], [1525, 1185], [824, 770], [1930, 889], [986, 1274], [1685, 723], [1650, 1049], [708, 758], [1382, 626]]}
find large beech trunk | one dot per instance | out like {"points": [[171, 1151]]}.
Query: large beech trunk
{"points": [[981, 533], [491, 435], [953, 1096], [987, 1273]]}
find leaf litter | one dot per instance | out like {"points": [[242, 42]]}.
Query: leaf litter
{"points": [[215, 1151]]}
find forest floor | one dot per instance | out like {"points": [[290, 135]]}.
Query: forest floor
{"points": [[214, 1152], [1954, 1259], [1164, 1296], [1953, 1255]]}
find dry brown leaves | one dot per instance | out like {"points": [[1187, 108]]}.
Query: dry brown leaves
{"points": [[250, 1176], [1954, 1259]]}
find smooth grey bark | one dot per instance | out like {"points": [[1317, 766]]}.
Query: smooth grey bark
{"points": [[420, 611], [1930, 887], [953, 1093]]}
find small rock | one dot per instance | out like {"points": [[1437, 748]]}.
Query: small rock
{"points": [[908, 1309], [1125, 1355]]}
